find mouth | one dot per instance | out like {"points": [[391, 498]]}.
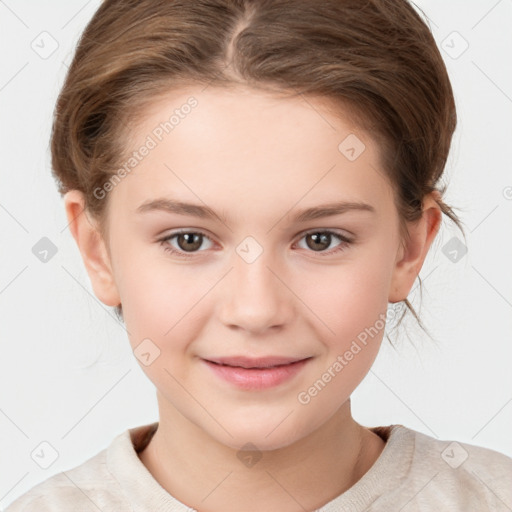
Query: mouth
{"points": [[256, 363], [256, 374]]}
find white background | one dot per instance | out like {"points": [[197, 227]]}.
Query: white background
{"points": [[67, 374]]}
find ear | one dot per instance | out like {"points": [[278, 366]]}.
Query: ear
{"points": [[412, 254], [92, 248]]}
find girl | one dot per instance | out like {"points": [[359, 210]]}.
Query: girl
{"points": [[250, 184]]}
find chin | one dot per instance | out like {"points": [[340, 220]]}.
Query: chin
{"points": [[264, 435], [257, 441]]}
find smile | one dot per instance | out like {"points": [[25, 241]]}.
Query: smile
{"points": [[256, 374]]}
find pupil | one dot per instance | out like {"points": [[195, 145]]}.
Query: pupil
{"points": [[189, 238], [322, 239]]}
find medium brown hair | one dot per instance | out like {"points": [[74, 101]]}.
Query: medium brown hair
{"points": [[376, 60]]}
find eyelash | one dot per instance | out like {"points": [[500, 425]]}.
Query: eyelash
{"points": [[169, 249]]}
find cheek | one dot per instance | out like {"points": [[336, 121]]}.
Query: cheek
{"points": [[349, 298], [161, 301], [353, 305], [161, 312]]}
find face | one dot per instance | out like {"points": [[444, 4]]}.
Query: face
{"points": [[257, 272]]}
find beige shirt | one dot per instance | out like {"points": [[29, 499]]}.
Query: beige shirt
{"points": [[413, 473]]}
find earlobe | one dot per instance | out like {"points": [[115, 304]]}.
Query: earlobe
{"points": [[92, 249], [412, 254]]}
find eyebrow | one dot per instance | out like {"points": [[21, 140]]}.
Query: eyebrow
{"points": [[204, 212]]}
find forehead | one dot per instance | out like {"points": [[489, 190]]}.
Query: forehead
{"points": [[241, 145]]}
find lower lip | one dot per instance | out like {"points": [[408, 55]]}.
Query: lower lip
{"points": [[257, 378]]}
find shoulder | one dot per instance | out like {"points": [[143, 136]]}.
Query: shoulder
{"points": [[460, 474], [84, 488]]}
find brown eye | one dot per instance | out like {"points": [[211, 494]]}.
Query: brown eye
{"points": [[318, 241], [185, 243], [189, 241]]}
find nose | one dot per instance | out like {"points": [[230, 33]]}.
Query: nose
{"points": [[253, 296]]}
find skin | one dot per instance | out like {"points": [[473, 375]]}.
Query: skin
{"points": [[256, 159]]}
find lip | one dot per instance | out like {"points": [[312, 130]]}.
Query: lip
{"points": [[255, 362], [256, 374]]}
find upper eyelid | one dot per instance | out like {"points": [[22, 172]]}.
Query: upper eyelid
{"points": [[326, 230]]}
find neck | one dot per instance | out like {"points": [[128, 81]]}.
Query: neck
{"points": [[207, 475]]}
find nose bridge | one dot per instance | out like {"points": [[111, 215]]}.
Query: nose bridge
{"points": [[253, 298]]}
